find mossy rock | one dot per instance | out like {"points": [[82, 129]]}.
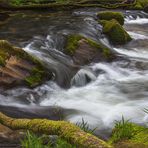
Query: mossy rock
{"points": [[84, 50], [129, 135], [139, 5], [109, 15], [18, 67], [115, 32], [143, 3]]}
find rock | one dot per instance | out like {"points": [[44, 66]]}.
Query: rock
{"points": [[115, 32], [19, 68], [3, 16], [109, 15], [146, 8], [140, 4], [10, 138], [84, 50]]}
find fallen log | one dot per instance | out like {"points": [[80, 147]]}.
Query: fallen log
{"points": [[65, 130]]}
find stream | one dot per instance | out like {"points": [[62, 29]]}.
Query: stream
{"points": [[118, 88]]}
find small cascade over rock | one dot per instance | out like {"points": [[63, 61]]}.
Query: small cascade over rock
{"points": [[83, 77]]}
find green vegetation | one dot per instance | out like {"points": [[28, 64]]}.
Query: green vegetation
{"points": [[63, 144], [109, 15], [85, 127], [129, 133], [35, 141], [122, 131], [72, 43], [63, 129], [115, 32], [65, 4], [37, 76]]}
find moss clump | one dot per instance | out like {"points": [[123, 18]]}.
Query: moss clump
{"points": [[115, 32], [37, 76], [109, 15], [139, 4], [73, 43], [143, 3], [129, 134]]}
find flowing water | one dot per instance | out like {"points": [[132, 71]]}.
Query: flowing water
{"points": [[118, 88]]}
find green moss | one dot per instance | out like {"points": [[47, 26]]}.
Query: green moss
{"points": [[37, 73], [36, 77], [115, 32], [73, 43], [129, 133], [109, 15], [138, 6], [143, 3], [2, 61]]}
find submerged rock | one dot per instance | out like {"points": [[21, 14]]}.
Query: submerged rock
{"points": [[115, 32], [19, 68], [109, 15], [84, 50]]}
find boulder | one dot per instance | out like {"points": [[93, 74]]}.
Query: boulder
{"points": [[115, 32], [19, 68], [84, 50], [109, 15]]}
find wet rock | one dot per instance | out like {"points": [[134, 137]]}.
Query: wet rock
{"points": [[10, 138], [19, 68], [3, 16], [146, 8], [115, 32], [83, 77], [109, 15], [4, 3], [84, 50]]}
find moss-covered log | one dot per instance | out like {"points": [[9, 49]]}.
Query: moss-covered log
{"points": [[65, 130], [64, 6]]}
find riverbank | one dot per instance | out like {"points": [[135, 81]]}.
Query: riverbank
{"points": [[55, 6]]}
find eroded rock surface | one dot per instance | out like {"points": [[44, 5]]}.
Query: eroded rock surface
{"points": [[19, 68]]}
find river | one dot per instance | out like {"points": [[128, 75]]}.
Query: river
{"points": [[118, 88]]}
